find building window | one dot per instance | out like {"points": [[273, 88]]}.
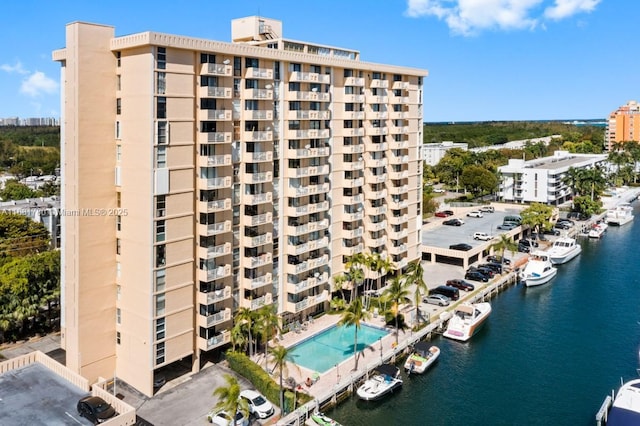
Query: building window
{"points": [[251, 63], [161, 255], [161, 279], [118, 292], [161, 58], [161, 157], [163, 132], [161, 205], [160, 231], [118, 199], [118, 337], [160, 353], [118, 269], [207, 58], [160, 302], [161, 82], [118, 246], [118, 152], [237, 66], [118, 82], [118, 59], [118, 106], [161, 107], [118, 316], [118, 223], [118, 135], [160, 328]]}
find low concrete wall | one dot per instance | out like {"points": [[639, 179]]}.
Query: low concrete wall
{"points": [[54, 366]]}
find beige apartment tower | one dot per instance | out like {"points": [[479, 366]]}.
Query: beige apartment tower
{"points": [[623, 125], [200, 177]]}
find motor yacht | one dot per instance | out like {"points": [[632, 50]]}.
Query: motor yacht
{"points": [[563, 250], [620, 214], [421, 358], [598, 230], [538, 270], [384, 381], [625, 409], [466, 320]]}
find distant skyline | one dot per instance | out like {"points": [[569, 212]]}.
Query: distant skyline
{"points": [[488, 60]]}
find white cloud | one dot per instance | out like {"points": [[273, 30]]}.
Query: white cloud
{"points": [[565, 8], [17, 68], [37, 84], [468, 17]]}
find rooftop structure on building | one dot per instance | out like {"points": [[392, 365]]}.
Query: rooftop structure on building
{"points": [[623, 125], [542, 180], [33, 121], [234, 175]]}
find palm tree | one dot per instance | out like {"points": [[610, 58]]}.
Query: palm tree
{"points": [[354, 315], [415, 276], [229, 399], [355, 272], [280, 356], [504, 243], [338, 283], [245, 316], [397, 293], [269, 322], [238, 337]]}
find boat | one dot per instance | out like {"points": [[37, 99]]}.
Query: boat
{"points": [[619, 215], [322, 420], [466, 320], [563, 250], [538, 270], [384, 381], [625, 409], [597, 230], [422, 357]]}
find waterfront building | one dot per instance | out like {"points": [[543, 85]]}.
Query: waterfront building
{"points": [[541, 180], [621, 125], [432, 153], [231, 175]]}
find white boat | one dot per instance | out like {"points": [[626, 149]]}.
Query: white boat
{"points": [[563, 250], [467, 319], [538, 270], [625, 409], [597, 230], [620, 214], [385, 380], [421, 358]]}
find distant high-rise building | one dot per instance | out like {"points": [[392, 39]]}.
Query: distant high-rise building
{"points": [[623, 124], [211, 176]]}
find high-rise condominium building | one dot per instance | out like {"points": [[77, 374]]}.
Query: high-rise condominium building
{"points": [[623, 125], [202, 177]]}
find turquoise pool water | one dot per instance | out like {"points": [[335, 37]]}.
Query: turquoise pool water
{"points": [[332, 346]]}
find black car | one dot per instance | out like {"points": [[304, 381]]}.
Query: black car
{"points": [[528, 243], [451, 292], [524, 248], [498, 259], [495, 267], [453, 222], [551, 231], [95, 409], [562, 225], [476, 276], [486, 271], [460, 284], [460, 246]]}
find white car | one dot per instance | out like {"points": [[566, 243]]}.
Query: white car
{"points": [[487, 209], [437, 299], [482, 236], [439, 190], [258, 404], [475, 213], [222, 418]]}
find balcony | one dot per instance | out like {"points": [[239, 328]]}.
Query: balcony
{"points": [[260, 219], [308, 264], [353, 183], [371, 178], [353, 233], [309, 134], [214, 251], [258, 136], [214, 228], [308, 171], [377, 242], [376, 131], [379, 84], [257, 157], [258, 240], [349, 132], [306, 284], [398, 235], [399, 220], [398, 115], [261, 281], [398, 159], [254, 199], [217, 69], [214, 137], [256, 303], [307, 302], [380, 146], [309, 152], [399, 175], [402, 248], [353, 199], [257, 93], [215, 183], [214, 160], [376, 115], [307, 227], [214, 114], [259, 177], [213, 319], [352, 115], [375, 162], [352, 217], [309, 96], [308, 115], [214, 296], [310, 77], [397, 190], [215, 273], [354, 81], [258, 115], [311, 190], [375, 195], [373, 99], [354, 165], [351, 149], [308, 246], [258, 261], [216, 92], [215, 206], [400, 85], [349, 99], [398, 130], [373, 227], [376, 210], [215, 341], [259, 73], [350, 251]]}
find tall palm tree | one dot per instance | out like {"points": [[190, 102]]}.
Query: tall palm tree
{"points": [[354, 315], [229, 399], [504, 243], [269, 323], [238, 338], [338, 284], [397, 293], [355, 271], [415, 276], [245, 317], [280, 356]]}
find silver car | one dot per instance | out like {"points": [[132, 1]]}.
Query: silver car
{"points": [[437, 299]]}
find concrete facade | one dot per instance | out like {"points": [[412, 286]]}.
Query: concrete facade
{"points": [[623, 125], [212, 176]]}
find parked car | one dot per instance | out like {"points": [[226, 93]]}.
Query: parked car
{"points": [[460, 284], [498, 259], [460, 246], [95, 409], [222, 418], [486, 271], [451, 292], [453, 222], [436, 299], [528, 243], [524, 248], [487, 209], [259, 406], [476, 276], [444, 213], [475, 213], [495, 267], [577, 216], [551, 231], [507, 226], [439, 190], [482, 236]]}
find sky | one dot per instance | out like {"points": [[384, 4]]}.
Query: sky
{"points": [[488, 60]]}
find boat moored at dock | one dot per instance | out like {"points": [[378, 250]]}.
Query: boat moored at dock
{"points": [[563, 250], [597, 230], [619, 215], [467, 319], [538, 270], [625, 409], [423, 355], [384, 381]]}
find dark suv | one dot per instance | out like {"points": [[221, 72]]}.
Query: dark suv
{"points": [[476, 276]]}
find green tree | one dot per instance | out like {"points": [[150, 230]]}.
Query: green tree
{"points": [[537, 216], [478, 180], [503, 244], [354, 315], [14, 190], [229, 399], [269, 325], [355, 272], [338, 284], [245, 316], [20, 236], [586, 205], [415, 276], [280, 356], [397, 293]]}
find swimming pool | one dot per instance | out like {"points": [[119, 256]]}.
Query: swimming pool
{"points": [[332, 346]]}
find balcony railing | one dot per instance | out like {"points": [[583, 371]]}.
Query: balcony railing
{"points": [[379, 84], [217, 69], [216, 228], [264, 259], [218, 340], [214, 206], [261, 301], [214, 137], [258, 115], [261, 73], [310, 76], [217, 272], [215, 114], [258, 240], [257, 157], [218, 295], [260, 219], [354, 81], [308, 115], [218, 92], [258, 198], [215, 183], [217, 318], [352, 149], [219, 250], [260, 281], [259, 177], [215, 160], [258, 94], [258, 136]]}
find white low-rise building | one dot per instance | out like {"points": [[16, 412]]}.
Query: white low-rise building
{"points": [[541, 180], [432, 153]]}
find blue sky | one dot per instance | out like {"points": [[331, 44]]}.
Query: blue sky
{"points": [[487, 59]]}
